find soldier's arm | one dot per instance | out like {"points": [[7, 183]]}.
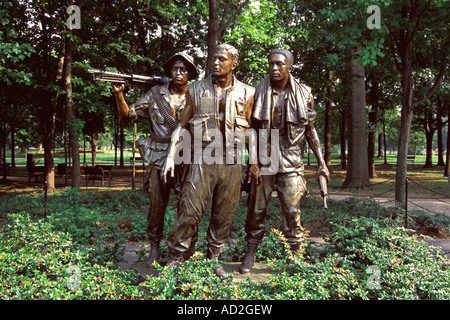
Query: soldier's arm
{"points": [[314, 143], [175, 141], [122, 106], [252, 147]]}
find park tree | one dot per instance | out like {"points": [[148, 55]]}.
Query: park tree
{"points": [[51, 55], [408, 23], [93, 126], [447, 160], [15, 77], [382, 90], [221, 16], [359, 47]]}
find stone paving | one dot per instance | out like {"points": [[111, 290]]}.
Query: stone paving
{"points": [[260, 271]]}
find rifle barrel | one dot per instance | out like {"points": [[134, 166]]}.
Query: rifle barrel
{"points": [[127, 78], [323, 190]]}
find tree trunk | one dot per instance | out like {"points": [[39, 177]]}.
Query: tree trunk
{"points": [[116, 135], [49, 103], [213, 32], [429, 134], [73, 138], [327, 127], [372, 129], [405, 125], [357, 169], [122, 145], [380, 145], [384, 141], [430, 127], [12, 147], [440, 125], [447, 165], [3, 148], [342, 140], [94, 142]]}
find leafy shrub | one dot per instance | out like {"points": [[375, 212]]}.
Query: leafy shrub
{"points": [[408, 268], [193, 279], [43, 260], [36, 262]]}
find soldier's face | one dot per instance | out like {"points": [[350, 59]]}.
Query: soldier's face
{"points": [[179, 72], [278, 67], [223, 64]]}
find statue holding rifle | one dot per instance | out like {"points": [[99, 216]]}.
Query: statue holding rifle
{"points": [[162, 104], [285, 107], [216, 107]]}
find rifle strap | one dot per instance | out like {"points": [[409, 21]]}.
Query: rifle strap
{"points": [[165, 108]]}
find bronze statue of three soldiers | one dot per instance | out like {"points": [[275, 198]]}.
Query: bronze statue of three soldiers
{"points": [[210, 121]]}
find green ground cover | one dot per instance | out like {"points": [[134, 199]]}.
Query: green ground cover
{"points": [[74, 254]]}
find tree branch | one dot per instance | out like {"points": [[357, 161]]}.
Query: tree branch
{"points": [[224, 16], [435, 85], [418, 19], [233, 17], [392, 45]]}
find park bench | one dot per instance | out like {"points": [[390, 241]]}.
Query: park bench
{"points": [[99, 172], [35, 171], [411, 158]]}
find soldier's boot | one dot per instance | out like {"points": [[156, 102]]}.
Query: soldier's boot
{"points": [[189, 252], [295, 247], [249, 259], [218, 269], [154, 253], [175, 258]]}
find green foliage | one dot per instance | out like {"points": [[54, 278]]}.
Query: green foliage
{"points": [[37, 262], [409, 268], [338, 270], [89, 216], [63, 259], [193, 279], [258, 29], [13, 50]]}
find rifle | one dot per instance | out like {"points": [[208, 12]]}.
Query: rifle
{"points": [[136, 79], [323, 190]]}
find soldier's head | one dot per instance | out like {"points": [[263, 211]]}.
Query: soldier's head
{"points": [[225, 59], [181, 68], [280, 64]]}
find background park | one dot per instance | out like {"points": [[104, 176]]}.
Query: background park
{"points": [[379, 73]]}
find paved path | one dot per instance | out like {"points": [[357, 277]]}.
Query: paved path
{"points": [[431, 205], [260, 271]]}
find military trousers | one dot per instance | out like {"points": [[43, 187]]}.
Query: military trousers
{"points": [[159, 193], [290, 188], [222, 184]]}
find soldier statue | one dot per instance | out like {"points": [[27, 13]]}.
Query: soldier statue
{"points": [[218, 104], [162, 105], [285, 107]]}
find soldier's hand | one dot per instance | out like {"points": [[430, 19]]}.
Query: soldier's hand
{"points": [[118, 87], [323, 171], [169, 166], [254, 171]]}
